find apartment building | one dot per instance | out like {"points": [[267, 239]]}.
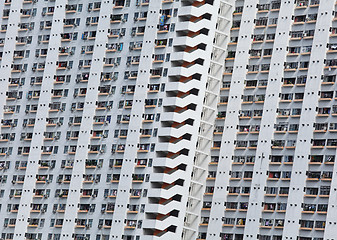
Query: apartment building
{"points": [[272, 174], [107, 116]]}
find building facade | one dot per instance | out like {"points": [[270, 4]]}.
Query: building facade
{"points": [[107, 116], [168, 119], [272, 174]]}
